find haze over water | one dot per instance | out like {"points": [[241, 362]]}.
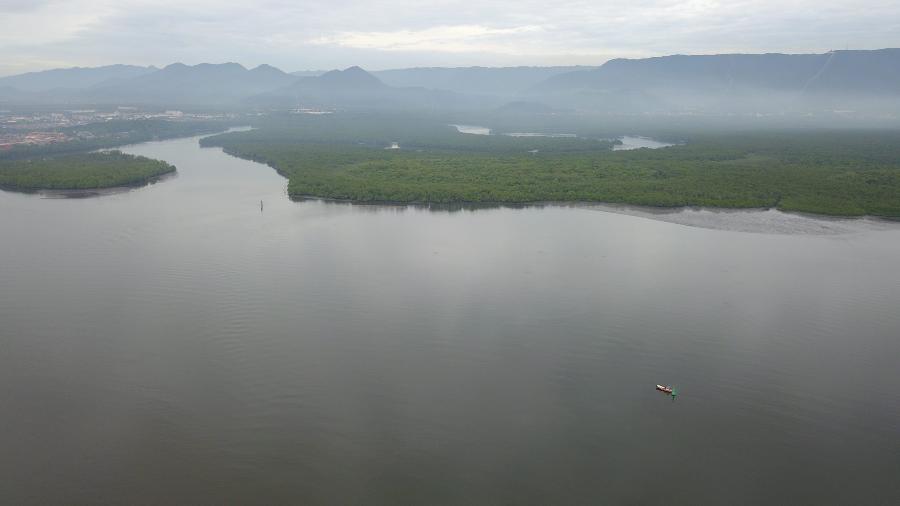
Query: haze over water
{"points": [[176, 344]]}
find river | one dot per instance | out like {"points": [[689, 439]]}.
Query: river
{"points": [[176, 344]]}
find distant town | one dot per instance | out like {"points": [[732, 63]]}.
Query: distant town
{"points": [[42, 128]]}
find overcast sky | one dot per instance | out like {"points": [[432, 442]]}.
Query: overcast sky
{"points": [[298, 34]]}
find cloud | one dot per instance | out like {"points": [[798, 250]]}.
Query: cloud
{"points": [[453, 39], [8, 6], [48, 22], [391, 33]]}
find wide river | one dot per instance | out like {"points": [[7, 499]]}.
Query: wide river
{"points": [[175, 344]]}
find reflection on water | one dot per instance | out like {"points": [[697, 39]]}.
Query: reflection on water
{"points": [[481, 130], [177, 345], [627, 141], [472, 129], [636, 142], [538, 134], [768, 221]]}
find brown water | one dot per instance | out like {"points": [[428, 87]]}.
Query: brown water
{"points": [[176, 345]]}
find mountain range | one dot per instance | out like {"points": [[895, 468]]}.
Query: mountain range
{"points": [[174, 85], [474, 80], [72, 78], [355, 88], [735, 81], [706, 83], [846, 71], [205, 84]]}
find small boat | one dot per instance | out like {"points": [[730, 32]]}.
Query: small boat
{"points": [[664, 389]]}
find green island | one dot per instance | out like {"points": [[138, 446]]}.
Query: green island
{"points": [[81, 171], [844, 173]]}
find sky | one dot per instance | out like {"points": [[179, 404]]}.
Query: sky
{"points": [[315, 34]]}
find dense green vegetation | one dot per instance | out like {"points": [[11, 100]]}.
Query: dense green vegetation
{"points": [[827, 172], [81, 171]]}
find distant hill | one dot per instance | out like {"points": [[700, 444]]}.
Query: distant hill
{"points": [[524, 107], [737, 81], [76, 78], [307, 73], [356, 88], [175, 85], [350, 79], [474, 80], [336, 87], [8, 94], [203, 84]]}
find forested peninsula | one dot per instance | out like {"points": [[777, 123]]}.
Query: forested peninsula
{"points": [[81, 171], [844, 173]]}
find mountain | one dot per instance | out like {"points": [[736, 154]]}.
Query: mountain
{"points": [[524, 107], [203, 84], [475, 80], [875, 72], [350, 79], [8, 94], [735, 82], [356, 88], [75, 78], [175, 85], [307, 73]]}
